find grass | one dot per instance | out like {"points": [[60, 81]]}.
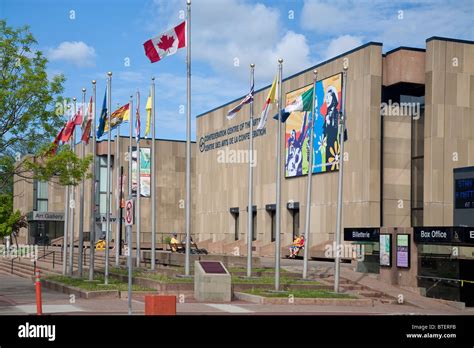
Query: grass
{"points": [[255, 270], [83, 284], [141, 273], [299, 294]]}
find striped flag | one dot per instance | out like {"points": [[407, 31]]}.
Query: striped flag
{"points": [[137, 129], [86, 125], [271, 98], [248, 99], [120, 115]]}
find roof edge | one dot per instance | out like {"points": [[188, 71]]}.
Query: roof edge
{"points": [[441, 38]]}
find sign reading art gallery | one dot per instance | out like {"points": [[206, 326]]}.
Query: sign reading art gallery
{"points": [[44, 216]]}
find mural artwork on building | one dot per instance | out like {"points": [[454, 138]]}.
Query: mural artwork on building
{"points": [[145, 172], [326, 140]]}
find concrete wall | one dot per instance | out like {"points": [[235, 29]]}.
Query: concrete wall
{"points": [[170, 189], [221, 186], [449, 124]]}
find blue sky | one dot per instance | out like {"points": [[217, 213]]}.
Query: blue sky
{"points": [[105, 35]]}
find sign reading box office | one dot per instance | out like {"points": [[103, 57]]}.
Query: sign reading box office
{"points": [[403, 250]]}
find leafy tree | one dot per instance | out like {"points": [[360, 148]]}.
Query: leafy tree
{"points": [[31, 114]]}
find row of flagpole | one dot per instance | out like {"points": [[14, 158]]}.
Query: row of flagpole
{"points": [[69, 209], [270, 99]]}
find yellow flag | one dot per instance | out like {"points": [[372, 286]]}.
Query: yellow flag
{"points": [[118, 116], [148, 116]]}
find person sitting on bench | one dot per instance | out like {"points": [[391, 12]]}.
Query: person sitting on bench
{"points": [[175, 244], [297, 245]]}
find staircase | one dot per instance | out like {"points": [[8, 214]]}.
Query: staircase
{"points": [[50, 262]]}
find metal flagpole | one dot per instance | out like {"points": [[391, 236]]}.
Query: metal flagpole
{"points": [[153, 174], [138, 185], [108, 183], [250, 205], [128, 229], [310, 176], [93, 183], [188, 136], [337, 264], [278, 182], [66, 218], [81, 198], [73, 191], [118, 197]]}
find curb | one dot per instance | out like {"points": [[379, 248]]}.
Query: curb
{"points": [[71, 290], [304, 301]]}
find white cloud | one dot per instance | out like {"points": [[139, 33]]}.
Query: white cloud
{"points": [[228, 35], [340, 45], [75, 52], [398, 23]]}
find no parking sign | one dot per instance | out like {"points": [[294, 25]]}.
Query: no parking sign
{"points": [[129, 212]]}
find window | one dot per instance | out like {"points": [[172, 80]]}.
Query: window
{"points": [[40, 196], [101, 197], [273, 226], [254, 222], [236, 225], [296, 222], [417, 159]]}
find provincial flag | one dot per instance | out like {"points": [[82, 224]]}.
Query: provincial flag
{"points": [[148, 115], [57, 140], [271, 98], [302, 103], [137, 113], [117, 117], [166, 44], [68, 131], [103, 117], [248, 99], [78, 117], [87, 124]]}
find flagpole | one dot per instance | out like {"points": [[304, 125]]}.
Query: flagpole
{"points": [[71, 230], [153, 189], [118, 196], [93, 183], [66, 218], [130, 108], [337, 264], [309, 184], [188, 136], [278, 180], [107, 213], [81, 198], [250, 205], [138, 189]]}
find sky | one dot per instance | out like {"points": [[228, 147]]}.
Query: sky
{"points": [[83, 39]]}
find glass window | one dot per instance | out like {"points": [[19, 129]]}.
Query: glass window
{"points": [[254, 229], [417, 158], [40, 196], [273, 234], [296, 222], [236, 225]]}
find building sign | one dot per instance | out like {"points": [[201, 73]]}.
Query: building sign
{"points": [[464, 193], [362, 234], [145, 171], [386, 250], [403, 250], [229, 136], [45, 216], [297, 130], [454, 235]]}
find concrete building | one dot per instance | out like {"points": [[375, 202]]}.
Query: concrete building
{"points": [[43, 202], [398, 167]]}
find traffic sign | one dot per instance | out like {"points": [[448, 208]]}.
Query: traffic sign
{"points": [[129, 212]]}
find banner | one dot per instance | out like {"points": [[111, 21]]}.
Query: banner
{"points": [[145, 171], [326, 126]]}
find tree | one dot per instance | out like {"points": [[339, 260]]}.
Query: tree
{"points": [[31, 114], [31, 111]]}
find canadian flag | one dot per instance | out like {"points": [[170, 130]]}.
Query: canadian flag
{"points": [[166, 44]]}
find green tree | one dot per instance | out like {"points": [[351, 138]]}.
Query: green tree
{"points": [[10, 222], [31, 114]]}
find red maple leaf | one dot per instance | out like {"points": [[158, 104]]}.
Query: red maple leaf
{"points": [[166, 42]]}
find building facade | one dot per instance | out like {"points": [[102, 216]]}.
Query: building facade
{"points": [[44, 202], [410, 122]]}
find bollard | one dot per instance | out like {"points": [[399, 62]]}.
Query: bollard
{"points": [[39, 305]]}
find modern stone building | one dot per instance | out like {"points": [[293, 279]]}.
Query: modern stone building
{"points": [[43, 202], [398, 169]]}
